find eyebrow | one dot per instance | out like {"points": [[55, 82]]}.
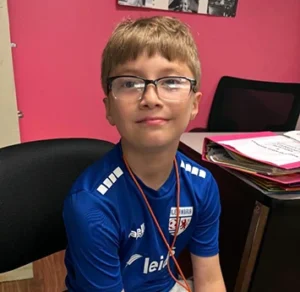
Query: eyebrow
{"points": [[128, 71], [168, 71]]}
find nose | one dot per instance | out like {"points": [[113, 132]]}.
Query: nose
{"points": [[150, 98]]}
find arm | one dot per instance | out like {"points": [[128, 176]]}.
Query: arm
{"points": [[92, 254], [207, 274], [204, 246]]}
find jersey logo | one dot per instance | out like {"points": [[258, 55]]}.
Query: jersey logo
{"points": [[133, 258], [193, 170], [138, 233], [185, 217], [151, 265], [109, 181]]}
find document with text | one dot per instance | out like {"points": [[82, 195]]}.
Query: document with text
{"points": [[279, 150]]}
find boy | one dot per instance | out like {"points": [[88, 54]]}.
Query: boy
{"points": [[131, 213]]}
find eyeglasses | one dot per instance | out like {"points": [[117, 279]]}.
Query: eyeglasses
{"points": [[172, 88]]}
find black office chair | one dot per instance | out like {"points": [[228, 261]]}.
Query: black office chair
{"points": [[242, 105], [35, 177]]}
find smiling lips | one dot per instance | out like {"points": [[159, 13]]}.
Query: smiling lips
{"points": [[153, 121]]}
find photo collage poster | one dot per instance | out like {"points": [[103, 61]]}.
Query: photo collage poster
{"points": [[225, 8]]}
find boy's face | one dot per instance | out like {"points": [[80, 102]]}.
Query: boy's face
{"points": [[151, 122]]}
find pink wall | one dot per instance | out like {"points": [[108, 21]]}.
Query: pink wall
{"points": [[59, 43]]}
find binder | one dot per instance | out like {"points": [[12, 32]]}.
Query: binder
{"points": [[277, 164]]}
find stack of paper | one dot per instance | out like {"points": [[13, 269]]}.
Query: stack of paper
{"points": [[269, 160]]}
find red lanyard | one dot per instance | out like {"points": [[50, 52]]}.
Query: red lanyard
{"points": [[186, 286]]}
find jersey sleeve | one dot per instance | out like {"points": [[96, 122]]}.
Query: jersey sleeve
{"points": [[205, 239], [92, 230]]}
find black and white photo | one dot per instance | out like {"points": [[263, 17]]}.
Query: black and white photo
{"points": [[137, 3], [184, 5], [223, 8]]}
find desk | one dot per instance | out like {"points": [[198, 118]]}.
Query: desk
{"points": [[259, 234]]}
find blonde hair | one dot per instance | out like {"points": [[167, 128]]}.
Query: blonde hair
{"points": [[166, 36]]}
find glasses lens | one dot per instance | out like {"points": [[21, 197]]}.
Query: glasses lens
{"points": [[174, 88], [127, 87]]}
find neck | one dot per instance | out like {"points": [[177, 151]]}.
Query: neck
{"points": [[152, 167]]}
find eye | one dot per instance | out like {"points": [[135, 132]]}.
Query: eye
{"points": [[174, 83], [128, 84], [171, 82]]}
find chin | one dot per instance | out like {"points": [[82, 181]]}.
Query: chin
{"points": [[152, 139], [157, 142]]}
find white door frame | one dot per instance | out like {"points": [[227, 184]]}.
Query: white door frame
{"points": [[9, 124]]}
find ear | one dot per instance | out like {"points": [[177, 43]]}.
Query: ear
{"points": [[195, 105], [108, 109]]}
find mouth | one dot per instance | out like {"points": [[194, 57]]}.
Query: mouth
{"points": [[153, 121]]}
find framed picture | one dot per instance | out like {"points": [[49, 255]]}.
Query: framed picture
{"points": [[225, 8]]}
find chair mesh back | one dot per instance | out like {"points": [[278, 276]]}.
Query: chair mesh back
{"points": [[247, 105]]}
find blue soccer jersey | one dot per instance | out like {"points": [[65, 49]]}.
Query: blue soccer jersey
{"points": [[113, 243]]}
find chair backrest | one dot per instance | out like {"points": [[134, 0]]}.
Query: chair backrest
{"points": [[35, 177], [249, 105]]}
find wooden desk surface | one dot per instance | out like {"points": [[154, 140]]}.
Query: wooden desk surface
{"points": [[195, 142]]}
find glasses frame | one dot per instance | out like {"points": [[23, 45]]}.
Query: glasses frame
{"points": [[110, 80]]}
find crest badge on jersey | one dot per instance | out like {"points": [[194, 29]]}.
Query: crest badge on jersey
{"points": [[185, 218]]}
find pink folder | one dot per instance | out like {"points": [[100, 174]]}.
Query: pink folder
{"points": [[283, 179]]}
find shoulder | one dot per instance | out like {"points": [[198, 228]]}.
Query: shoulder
{"points": [[197, 178], [97, 188], [102, 175], [193, 171]]}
